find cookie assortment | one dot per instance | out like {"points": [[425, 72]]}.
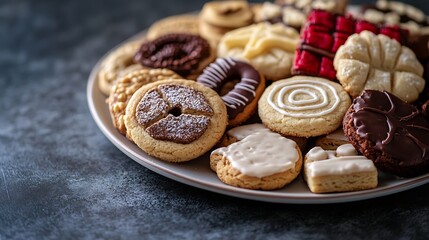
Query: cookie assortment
{"points": [[277, 90]]}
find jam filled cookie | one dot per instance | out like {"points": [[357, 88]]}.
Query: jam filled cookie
{"points": [[303, 106], [369, 61], [264, 161], [239, 133], [126, 86], [342, 170], [174, 24], [268, 48], [241, 100], [116, 64], [390, 132], [185, 54], [175, 120], [323, 34], [220, 17]]}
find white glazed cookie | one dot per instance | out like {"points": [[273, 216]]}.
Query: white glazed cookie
{"points": [[303, 106], [377, 62], [260, 161], [268, 48], [338, 171], [239, 133]]}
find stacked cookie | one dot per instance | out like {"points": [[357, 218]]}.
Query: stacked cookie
{"points": [[268, 100]]}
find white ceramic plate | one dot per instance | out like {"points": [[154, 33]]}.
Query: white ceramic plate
{"points": [[197, 172]]}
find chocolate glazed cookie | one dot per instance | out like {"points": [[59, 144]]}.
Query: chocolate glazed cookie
{"points": [[392, 133], [185, 54]]}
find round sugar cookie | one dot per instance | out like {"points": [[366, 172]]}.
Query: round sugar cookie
{"points": [[175, 120], [175, 24], [263, 161], [303, 106]]}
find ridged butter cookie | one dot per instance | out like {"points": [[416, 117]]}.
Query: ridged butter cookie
{"points": [[303, 106], [175, 120]]}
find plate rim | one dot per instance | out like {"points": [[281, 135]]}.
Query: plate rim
{"points": [[264, 196]]}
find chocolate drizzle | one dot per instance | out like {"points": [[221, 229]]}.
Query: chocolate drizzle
{"points": [[224, 70], [181, 53], [396, 128], [174, 113]]}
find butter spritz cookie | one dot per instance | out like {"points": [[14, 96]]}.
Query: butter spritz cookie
{"points": [[125, 87], [116, 64], [377, 62], [270, 48], [241, 98], [175, 24], [175, 120], [220, 17], [185, 54], [303, 106], [339, 170], [263, 161]]}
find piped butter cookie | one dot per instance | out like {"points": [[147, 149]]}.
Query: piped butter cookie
{"points": [[263, 161], [340, 170], [125, 87], [303, 106], [175, 120]]}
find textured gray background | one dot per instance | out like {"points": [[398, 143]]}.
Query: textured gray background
{"points": [[61, 178]]}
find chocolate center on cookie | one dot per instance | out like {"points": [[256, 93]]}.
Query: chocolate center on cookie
{"points": [[174, 113], [181, 53]]}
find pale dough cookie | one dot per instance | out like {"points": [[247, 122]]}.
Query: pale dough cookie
{"points": [[332, 140], [377, 62], [117, 61], [219, 17], [342, 170], [263, 161], [125, 87], [239, 133], [174, 24], [175, 120], [303, 106], [268, 48]]}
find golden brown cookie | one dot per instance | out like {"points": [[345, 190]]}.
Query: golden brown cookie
{"points": [[113, 64], [303, 106], [268, 48], [219, 17], [175, 24], [340, 170], [377, 62], [332, 140], [125, 87], [175, 120], [263, 161]]}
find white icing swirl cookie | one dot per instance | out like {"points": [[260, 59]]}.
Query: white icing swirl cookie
{"points": [[303, 106]]}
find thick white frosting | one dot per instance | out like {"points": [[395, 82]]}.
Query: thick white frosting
{"points": [[261, 154], [345, 160], [243, 131]]}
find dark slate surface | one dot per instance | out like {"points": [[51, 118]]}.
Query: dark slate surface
{"points": [[61, 178]]}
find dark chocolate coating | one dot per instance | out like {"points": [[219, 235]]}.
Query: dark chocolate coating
{"points": [[181, 53], [390, 132]]}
